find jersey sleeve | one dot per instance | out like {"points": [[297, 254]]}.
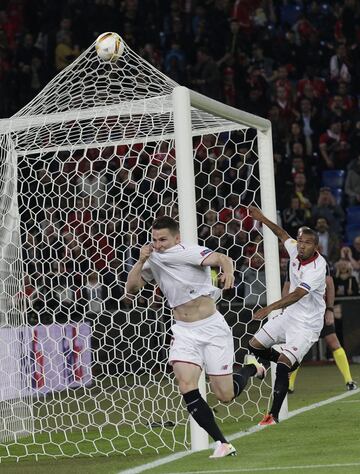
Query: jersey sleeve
{"points": [[312, 278], [196, 255], [291, 247], [146, 273]]}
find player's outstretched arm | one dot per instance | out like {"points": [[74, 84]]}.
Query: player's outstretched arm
{"points": [[277, 230], [287, 300], [226, 264], [285, 289], [134, 281]]}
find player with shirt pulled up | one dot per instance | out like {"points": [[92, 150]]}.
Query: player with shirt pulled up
{"points": [[201, 336], [299, 325]]}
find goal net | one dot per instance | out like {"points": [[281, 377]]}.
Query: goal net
{"points": [[85, 168]]}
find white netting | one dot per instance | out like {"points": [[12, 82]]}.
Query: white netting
{"points": [[85, 168]]}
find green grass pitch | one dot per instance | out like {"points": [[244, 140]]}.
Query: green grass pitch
{"points": [[325, 436]]}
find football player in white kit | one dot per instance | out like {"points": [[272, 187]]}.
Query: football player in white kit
{"points": [[300, 323], [201, 336]]}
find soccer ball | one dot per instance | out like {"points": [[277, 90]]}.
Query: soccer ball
{"points": [[109, 46]]}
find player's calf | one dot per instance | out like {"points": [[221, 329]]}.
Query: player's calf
{"points": [[203, 415], [280, 388]]}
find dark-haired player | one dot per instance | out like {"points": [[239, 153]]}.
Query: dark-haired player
{"points": [[201, 336], [328, 333], [299, 325]]}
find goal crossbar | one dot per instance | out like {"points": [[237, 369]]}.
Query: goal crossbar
{"points": [[149, 106]]}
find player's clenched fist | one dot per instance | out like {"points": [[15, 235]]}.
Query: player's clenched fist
{"points": [[227, 280], [145, 253]]}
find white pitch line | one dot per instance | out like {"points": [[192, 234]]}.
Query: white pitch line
{"points": [[277, 468], [240, 434]]}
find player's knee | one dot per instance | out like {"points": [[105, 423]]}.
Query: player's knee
{"points": [[224, 396], [332, 342], [288, 360], [254, 343], [255, 347], [186, 387]]}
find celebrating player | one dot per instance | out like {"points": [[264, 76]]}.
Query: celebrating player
{"points": [[328, 333], [201, 336], [300, 323]]}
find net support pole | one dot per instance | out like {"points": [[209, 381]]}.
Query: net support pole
{"points": [[271, 247], [187, 212]]}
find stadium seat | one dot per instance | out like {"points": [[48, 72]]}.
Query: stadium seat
{"points": [[338, 194], [352, 231], [353, 215], [333, 178]]}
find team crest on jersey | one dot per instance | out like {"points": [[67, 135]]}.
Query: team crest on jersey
{"points": [[224, 367], [205, 252], [294, 348], [294, 264]]}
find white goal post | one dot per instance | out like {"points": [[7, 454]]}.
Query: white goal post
{"points": [[183, 99], [85, 168]]}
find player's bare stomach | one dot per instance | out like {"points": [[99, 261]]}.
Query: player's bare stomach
{"points": [[195, 310]]}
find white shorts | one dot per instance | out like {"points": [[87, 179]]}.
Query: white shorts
{"points": [[207, 343], [295, 340]]}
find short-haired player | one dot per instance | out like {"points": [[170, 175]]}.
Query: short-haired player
{"points": [[201, 336], [299, 325], [328, 332]]}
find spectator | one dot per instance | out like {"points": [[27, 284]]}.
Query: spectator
{"points": [[175, 63], [349, 102], [333, 146], [346, 253], [355, 250], [326, 207], [337, 110], [309, 123], [65, 52], [293, 217], [345, 283], [329, 242], [234, 210], [205, 75], [340, 65], [299, 188], [93, 295], [317, 84], [256, 87], [284, 100], [295, 136], [352, 182], [253, 278], [264, 64]]}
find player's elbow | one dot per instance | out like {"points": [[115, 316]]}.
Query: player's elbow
{"points": [[299, 293], [131, 288]]}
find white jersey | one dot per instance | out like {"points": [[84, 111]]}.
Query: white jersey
{"points": [[179, 273], [310, 275]]}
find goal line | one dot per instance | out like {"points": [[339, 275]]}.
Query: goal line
{"points": [[239, 434]]}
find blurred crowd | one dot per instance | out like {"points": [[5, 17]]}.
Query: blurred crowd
{"points": [[295, 62]]}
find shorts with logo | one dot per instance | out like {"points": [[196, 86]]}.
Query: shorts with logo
{"points": [[207, 343], [294, 339]]}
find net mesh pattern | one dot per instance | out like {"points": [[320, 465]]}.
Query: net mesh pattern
{"points": [[86, 366]]}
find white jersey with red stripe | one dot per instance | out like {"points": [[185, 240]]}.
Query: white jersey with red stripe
{"points": [[310, 275], [180, 274]]}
